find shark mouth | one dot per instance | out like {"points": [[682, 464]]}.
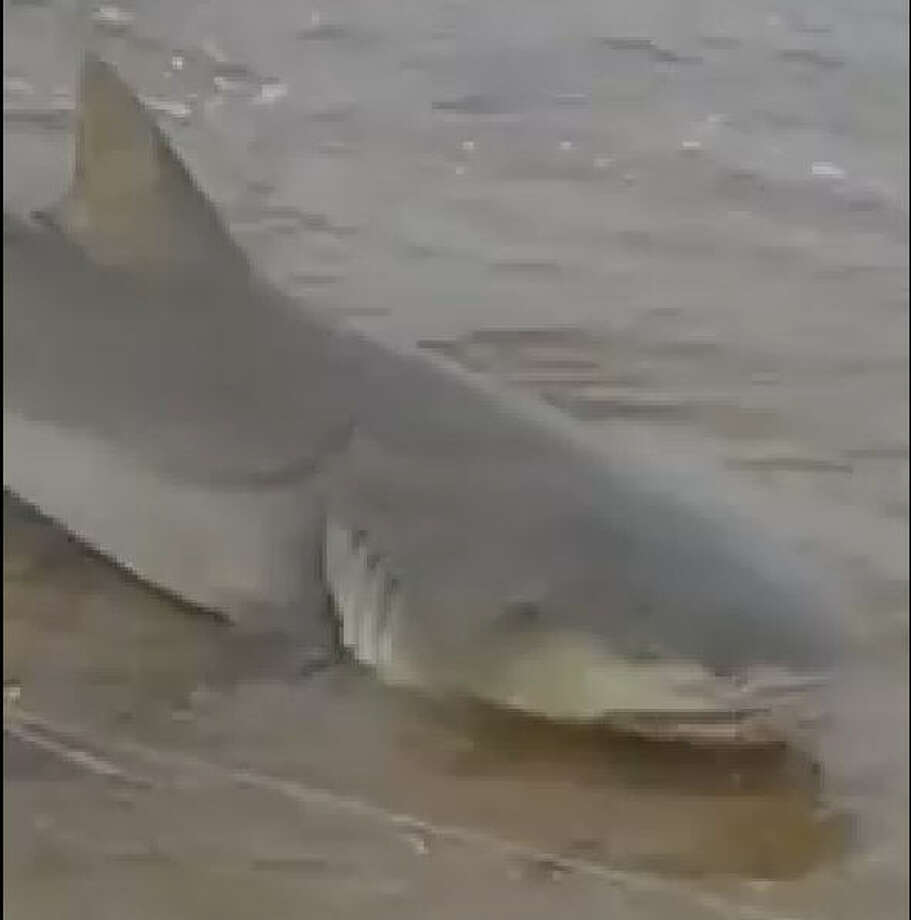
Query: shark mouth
{"points": [[562, 676]]}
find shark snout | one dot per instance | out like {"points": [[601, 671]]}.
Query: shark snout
{"points": [[574, 677]]}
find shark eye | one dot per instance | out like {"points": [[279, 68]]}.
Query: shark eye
{"points": [[736, 679], [523, 611], [646, 651]]}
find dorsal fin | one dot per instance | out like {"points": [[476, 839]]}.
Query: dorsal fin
{"points": [[132, 203]]}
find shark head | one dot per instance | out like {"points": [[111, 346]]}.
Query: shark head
{"points": [[577, 587]]}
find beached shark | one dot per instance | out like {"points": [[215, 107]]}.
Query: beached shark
{"points": [[174, 411]]}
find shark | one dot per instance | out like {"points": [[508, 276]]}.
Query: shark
{"points": [[183, 417]]}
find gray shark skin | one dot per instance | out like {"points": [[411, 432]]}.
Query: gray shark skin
{"points": [[173, 411]]}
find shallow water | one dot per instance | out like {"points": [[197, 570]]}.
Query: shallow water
{"points": [[688, 230], [97, 663]]}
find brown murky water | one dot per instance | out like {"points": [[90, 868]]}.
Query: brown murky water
{"points": [[687, 231], [108, 663], [156, 673]]}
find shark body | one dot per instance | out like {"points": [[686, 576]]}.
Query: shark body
{"points": [[175, 412]]}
